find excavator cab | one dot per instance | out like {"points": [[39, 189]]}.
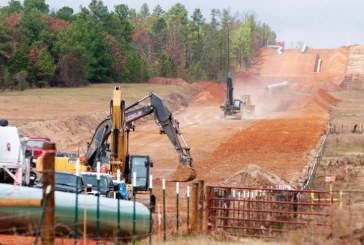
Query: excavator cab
{"points": [[237, 104], [140, 165]]}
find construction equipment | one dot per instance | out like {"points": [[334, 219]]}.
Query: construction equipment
{"points": [[246, 104], [62, 162], [235, 107], [117, 127], [15, 165]]}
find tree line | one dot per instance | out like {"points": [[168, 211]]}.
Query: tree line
{"points": [[42, 48]]}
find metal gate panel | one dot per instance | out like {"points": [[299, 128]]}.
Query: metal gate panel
{"points": [[265, 212]]}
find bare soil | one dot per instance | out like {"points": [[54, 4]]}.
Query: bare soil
{"points": [[280, 137]]}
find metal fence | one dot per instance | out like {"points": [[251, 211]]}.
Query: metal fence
{"points": [[312, 170], [265, 212], [351, 128]]}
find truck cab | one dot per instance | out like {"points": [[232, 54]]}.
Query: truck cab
{"points": [[34, 145], [14, 167]]}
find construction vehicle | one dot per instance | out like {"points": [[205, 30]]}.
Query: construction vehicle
{"points": [[109, 144], [15, 163], [235, 107], [117, 126], [62, 162]]}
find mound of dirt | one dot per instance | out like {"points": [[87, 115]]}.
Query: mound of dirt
{"points": [[167, 81], [329, 86], [321, 100], [327, 97], [324, 99], [212, 90], [70, 134], [253, 175], [176, 101], [312, 87]]}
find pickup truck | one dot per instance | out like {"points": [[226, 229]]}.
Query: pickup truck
{"points": [[65, 182], [106, 184]]}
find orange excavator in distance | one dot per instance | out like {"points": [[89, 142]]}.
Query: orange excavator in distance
{"points": [[109, 144]]}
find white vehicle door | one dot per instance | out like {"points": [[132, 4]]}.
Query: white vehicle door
{"points": [[11, 150]]}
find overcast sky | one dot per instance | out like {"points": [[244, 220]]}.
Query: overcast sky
{"points": [[319, 23]]}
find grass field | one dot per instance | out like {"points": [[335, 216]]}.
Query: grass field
{"points": [[44, 104]]}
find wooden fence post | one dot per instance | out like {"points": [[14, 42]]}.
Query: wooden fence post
{"points": [[47, 232], [208, 204], [201, 197], [194, 207]]}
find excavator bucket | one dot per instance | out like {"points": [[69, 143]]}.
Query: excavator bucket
{"points": [[183, 173]]}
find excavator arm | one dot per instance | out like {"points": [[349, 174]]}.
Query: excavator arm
{"points": [[166, 121], [95, 147]]}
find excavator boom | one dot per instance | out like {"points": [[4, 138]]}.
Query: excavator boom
{"points": [[165, 119], [117, 126]]}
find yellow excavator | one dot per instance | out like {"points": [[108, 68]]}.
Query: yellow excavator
{"points": [[114, 153]]}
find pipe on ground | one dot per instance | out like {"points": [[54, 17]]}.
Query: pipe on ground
{"points": [[25, 219]]}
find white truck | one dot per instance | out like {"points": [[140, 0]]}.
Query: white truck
{"points": [[15, 167]]}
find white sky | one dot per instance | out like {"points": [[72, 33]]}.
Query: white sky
{"points": [[319, 23]]}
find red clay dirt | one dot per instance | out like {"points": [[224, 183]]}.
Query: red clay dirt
{"points": [[280, 137]]}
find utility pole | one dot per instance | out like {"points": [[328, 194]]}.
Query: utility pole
{"points": [[228, 47]]}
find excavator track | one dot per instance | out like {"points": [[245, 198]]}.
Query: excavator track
{"points": [[183, 173]]}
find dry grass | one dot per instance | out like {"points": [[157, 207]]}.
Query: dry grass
{"points": [[343, 158], [213, 240], [101, 92], [344, 144], [347, 227], [48, 104]]}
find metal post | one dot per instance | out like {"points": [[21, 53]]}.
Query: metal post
{"points": [[134, 200], [118, 236], [177, 214], [188, 209], [85, 219], [98, 205], [76, 207], [118, 197], [164, 209], [150, 208]]}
